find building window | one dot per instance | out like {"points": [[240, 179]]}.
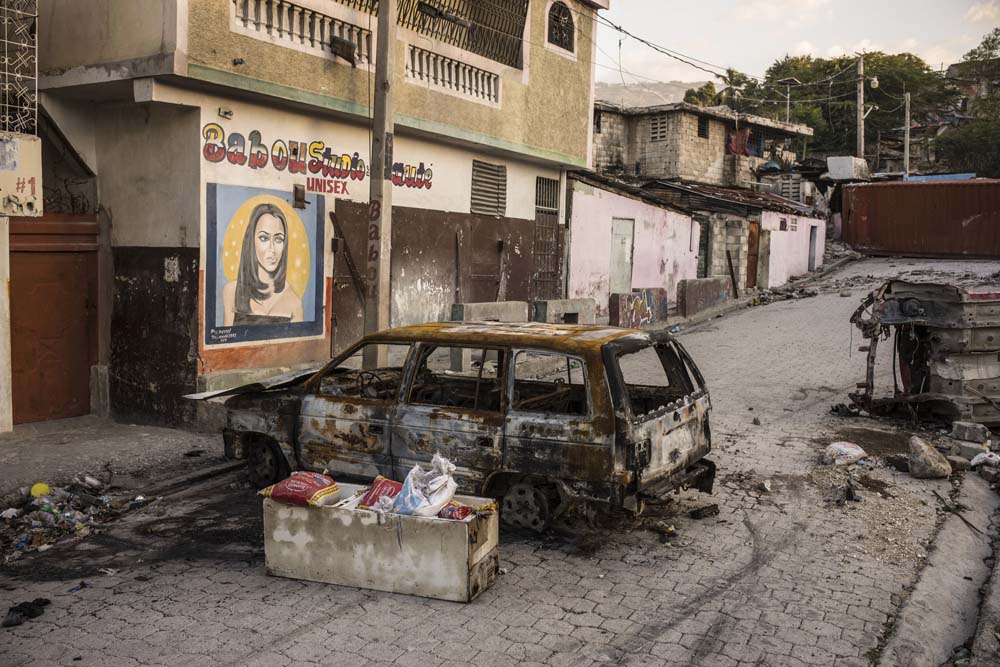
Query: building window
{"points": [[783, 225], [561, 32], [489, 189], [703, 127], [658, 128], [597, 121]]}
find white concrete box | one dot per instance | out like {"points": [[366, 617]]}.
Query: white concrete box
{"points": [[341, 544]]}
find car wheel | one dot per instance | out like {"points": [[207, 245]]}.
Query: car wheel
{"points": [[527, 506], [266, 464]]}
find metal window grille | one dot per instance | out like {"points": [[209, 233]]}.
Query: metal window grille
{"points": [[449, 74], [658, 128], [597, 121], [19, 66], [545, 248], [703, 125], [561, 32], [496, 29], [489, 189]]}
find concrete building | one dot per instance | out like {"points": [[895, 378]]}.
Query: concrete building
{"points": [[624, 240], [711, 145], [177, 130]]}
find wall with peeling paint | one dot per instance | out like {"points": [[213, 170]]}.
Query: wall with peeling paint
{"points": [[789, 249], [665, 245]]}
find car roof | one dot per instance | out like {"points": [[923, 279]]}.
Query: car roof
{"points": [[575, 338]]}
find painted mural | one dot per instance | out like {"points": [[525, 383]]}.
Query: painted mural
{"points": [[638, 308], [264, 265], [327, 171]]}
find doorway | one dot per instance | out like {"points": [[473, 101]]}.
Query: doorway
{"points": [[753, 251], [622, 232], [53, 304], [812, 248]]}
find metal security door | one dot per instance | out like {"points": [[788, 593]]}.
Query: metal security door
{"points": [[622, 231], [546, 244], [753, 250], [812, 248]]}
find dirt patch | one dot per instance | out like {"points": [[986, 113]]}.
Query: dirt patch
{"points": [[876, 485]]}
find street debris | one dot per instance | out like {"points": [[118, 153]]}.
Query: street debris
{"points": [[843, 453], [304, 489], [970, 432], [765, 486], [991, 459], [42, 515], [926, 462], [23, 611], [944, 349], [756, 421], [704, 512], [958, 463], [784, 293]]}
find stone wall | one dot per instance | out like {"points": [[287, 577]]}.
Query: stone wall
{"points": [[702, 159], [728, 232], [657, 159], [611, 144]]}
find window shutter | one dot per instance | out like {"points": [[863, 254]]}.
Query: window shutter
{"points": [[489, 188]]}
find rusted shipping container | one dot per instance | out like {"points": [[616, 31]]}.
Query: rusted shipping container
{"points": [[926, 219]]}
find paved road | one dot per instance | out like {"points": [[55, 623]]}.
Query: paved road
{"points": [[777, 578]]}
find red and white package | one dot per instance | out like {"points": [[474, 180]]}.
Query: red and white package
{"points": [[381, 486], [304, 489], [455, 511]]}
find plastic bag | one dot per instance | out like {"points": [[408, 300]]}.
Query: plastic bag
{"points": [[426, 492], [843, 453], [304, 489], [991, 459]]}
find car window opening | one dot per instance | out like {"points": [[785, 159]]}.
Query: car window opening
{"points": [[654, 377], [349, 380], [447, 377], [549, 383]]}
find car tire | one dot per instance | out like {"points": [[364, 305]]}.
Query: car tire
{"points": [[528, 506], [266, 463]]}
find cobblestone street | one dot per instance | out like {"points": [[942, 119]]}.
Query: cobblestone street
{"points": [[779, 577]]}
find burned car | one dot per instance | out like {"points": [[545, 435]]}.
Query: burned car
{"points": [[545, 417], [945, 351]]}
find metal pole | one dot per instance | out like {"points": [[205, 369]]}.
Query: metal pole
{"points": [[788, 103], [861, 106], [377, 278], [906, 137]]}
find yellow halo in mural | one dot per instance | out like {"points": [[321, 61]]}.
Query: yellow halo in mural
{"points": [[299, 255]]}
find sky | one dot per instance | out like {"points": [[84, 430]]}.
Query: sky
{"points": [[749, 35]]}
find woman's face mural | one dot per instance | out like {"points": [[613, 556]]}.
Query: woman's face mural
{"points": [[269, 242]]}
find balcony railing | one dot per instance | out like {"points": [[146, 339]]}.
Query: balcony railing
{"points": [[304, 29], [452, 76]]}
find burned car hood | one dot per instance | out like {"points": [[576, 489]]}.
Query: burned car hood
{"points": [[282, 381]]}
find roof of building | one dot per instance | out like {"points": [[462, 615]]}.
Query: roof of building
{"points": [[578, 338], [719, 112], [630, 190], [696, 196]]}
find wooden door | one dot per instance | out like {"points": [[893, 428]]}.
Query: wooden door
{"points": [[753, 251], [53, 288], [622, 231]]}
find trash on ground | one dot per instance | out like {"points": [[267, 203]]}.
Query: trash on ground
{"points": [[704, 512], [40, 489], [991, 459], [20, 613], [79, 587], [304, 489], [425, 493], [927, 462], [765, 486], [109, 571], [970, 431], [843, 453]]}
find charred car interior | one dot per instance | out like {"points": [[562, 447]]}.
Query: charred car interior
{"points": [[544, 417]]}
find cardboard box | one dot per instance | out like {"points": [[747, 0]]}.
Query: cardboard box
{"points": [[344, 545]]}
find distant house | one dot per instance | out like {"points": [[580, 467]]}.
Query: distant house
{"points": [[709, 145]]}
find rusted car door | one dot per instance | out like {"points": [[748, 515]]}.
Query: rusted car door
{"points": [[550, 429], [344, 421], [453, 407]]}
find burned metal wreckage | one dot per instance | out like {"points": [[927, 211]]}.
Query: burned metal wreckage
{"points": [[946, 350], [544, 417]]}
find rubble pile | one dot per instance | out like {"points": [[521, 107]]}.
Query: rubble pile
{"points": [[838, 250], [37, 517], [784, 293]]}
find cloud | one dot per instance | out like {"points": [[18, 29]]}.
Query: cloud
{"points": [[984, 12], [803, 48]]}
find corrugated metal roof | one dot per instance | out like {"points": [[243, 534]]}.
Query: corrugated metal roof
{"points": [[696, 196]]}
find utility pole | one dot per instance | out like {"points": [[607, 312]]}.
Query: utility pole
{"points": [[861, 106], [788, 104], [377, 277], [906, 137]]}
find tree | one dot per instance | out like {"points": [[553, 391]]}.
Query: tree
{"points": [[705, 96]]}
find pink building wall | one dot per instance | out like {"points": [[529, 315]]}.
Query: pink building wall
{"points": [[790, 248], [665, 245]]}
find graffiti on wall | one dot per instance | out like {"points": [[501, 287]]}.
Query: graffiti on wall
{"points": [[638, 308], [264, 265], [327, 171]]}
